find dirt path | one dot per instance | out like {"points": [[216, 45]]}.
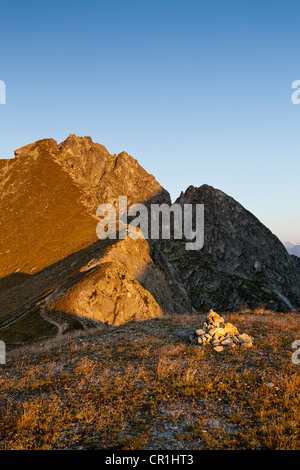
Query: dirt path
{"points": [[43, 312], [60, 326]]}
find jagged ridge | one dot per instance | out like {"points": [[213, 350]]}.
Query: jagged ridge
{"points": [[53, 265]]}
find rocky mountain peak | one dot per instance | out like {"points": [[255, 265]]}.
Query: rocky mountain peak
{"points": [[48, 199], [53, 265], [75, 144], [36, 148], [241, 261]]}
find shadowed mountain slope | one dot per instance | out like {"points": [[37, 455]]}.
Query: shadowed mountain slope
{"points": [[241, 262]]}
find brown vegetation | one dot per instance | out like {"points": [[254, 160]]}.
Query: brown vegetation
{"points": [[145, 386]]}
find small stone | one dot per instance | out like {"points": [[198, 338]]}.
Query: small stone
{"points": [[199, 340], [218, 348], [235, 340], [221, 331], [244, 337], [218, 333], [200, 332], [231, 329], [270, 384], [226, 342], [212, 331], [215, 342], [212, 316], [246, 344]]}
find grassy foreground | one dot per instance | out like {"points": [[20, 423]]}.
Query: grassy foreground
{"points": [[145, 386]]}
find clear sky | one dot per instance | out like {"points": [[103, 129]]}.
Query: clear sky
{"points": [[199, 91]]}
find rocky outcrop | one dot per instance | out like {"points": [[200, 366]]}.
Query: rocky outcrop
{"points": [[241, 261], [109, 291], [120, 285]]}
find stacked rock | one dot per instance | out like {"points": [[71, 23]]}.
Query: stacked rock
{"points": [[216, 332]]}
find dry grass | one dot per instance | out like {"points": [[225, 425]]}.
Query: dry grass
{"points": [[144, 386]]}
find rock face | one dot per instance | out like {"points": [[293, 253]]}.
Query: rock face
{"points": [[104, 177], [115, 287], [109, 293], [241, 261]]}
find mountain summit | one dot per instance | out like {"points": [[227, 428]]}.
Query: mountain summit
{"points": [[54, 269], [242, 261], [56, 275]]}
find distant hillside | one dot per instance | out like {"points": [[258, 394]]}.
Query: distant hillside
{"points": [[293, 248]]}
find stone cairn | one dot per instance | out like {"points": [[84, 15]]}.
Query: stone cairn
{"points": [[216, 332]]}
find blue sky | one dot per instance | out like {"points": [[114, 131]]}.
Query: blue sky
{"points": [[197, 91]]}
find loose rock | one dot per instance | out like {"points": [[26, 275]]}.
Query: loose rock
{"points": [[219, 334], [200, 332]]}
